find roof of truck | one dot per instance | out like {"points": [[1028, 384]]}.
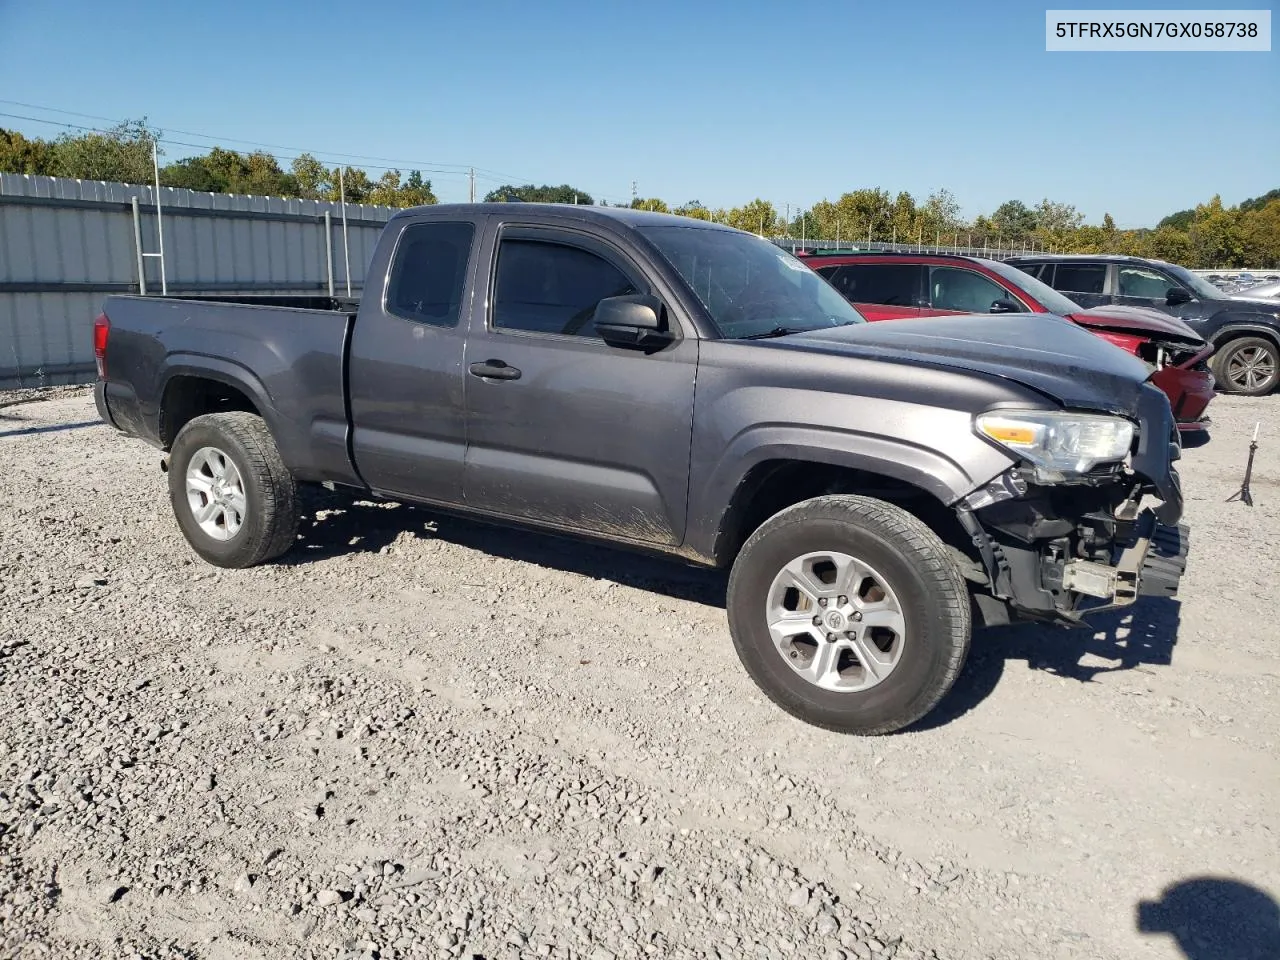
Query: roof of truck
{"points": [[633, 218]]}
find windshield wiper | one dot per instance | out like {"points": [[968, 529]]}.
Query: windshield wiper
{"points": [[775, 332]]}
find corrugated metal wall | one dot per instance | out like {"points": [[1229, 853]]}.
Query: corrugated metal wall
{"points": [[66, 244]]}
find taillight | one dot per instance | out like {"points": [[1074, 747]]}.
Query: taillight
{"points": [[101, 327]]}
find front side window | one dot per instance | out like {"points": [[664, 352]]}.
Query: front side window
{"points": [[892, 284], [429, 273], [964, 291], [553, 288], [1144, 282], [1080, 277]]}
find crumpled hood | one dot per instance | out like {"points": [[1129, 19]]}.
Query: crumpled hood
{"points": [[1144, 321], [1045, 352]]}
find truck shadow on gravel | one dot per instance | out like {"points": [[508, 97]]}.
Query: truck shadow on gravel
{"points": [[1144, 636], [333, 525], [1126, 640]]}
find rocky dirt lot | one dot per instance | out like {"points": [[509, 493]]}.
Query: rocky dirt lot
{"points": [[419, 737]]}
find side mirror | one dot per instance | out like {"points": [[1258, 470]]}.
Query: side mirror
{"points": [[1176, 296], [634, 320], [1003, 305]]}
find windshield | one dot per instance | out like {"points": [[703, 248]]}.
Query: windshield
{"points": [[1201, 287], [750, 287], [1038, 290]]}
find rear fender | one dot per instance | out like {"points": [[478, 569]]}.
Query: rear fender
{"points": [[221, 371]]}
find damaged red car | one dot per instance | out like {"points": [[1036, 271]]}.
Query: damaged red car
{"points": [[891, 286]]}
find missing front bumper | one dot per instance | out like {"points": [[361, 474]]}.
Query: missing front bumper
{"points": [[1024, 582]]}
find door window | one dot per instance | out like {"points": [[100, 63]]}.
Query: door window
{"points": [[951, 288], [892, 284], [1144, 282], [1080, 277], [552, 288], [429, 273]]}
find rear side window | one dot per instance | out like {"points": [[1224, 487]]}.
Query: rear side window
{"points": [[429, 273], [1080, 277], [546, 287], [893, 284], [1041, 271]]}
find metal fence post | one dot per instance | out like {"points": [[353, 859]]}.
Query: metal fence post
{"points": [[137, 245], [328, 248]]}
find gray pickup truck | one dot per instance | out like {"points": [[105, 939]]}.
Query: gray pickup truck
{"points": [[674, 386]]}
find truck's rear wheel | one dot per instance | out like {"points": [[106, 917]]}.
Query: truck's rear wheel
{"points": [[236, 502], [849, 614]]}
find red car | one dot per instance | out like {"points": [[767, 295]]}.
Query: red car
{"points": [[891, 286]]}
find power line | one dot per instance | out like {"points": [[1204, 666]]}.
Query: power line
{"points": [[459, 171], [250, 143]]}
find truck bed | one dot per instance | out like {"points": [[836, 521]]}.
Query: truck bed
{"points": [[286, 355]]}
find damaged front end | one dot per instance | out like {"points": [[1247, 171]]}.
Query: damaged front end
{"points": [[1058, 546], [1176, 355]]}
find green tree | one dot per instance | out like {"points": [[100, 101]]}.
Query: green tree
{"points": [[902, 218], [1257, 203], [695, 209], [1213, 236], [1055, 224], [652, 204], [543, 194], [20, 155], [1013, 220], [354, 184], [1179, 221], [416, 192], [758, 216], [1259, 236], [122, 154], [1165, 243], [192, 174], [311, 176], [938, 217]]}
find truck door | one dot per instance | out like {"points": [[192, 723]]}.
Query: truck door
{"points": [[405, 371], [562, 428]]}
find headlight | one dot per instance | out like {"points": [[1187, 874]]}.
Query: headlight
{"points": [[1058, 444]]}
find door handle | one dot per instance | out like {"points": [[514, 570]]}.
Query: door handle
{"points": [[494, 370]]}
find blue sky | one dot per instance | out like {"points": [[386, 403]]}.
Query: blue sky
{"points": [[715, 101]]}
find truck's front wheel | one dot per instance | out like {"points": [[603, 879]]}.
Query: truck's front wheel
{"points": [[236, 502], [849, 614]]}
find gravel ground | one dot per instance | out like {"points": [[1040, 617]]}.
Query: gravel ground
{"points": [[419, 737]]}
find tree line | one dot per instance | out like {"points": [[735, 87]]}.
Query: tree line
{"points": [[123, 154], [1208, 235]]}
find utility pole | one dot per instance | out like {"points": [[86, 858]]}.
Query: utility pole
{"points": [[472, 178], [634, 196]]}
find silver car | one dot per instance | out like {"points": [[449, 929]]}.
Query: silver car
{"points": [[1269, 290]]}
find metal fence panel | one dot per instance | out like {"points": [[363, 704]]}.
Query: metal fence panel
{"points": [[65, 244]]}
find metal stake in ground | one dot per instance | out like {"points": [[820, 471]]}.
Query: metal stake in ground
{"points": [[1244, 494]]}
